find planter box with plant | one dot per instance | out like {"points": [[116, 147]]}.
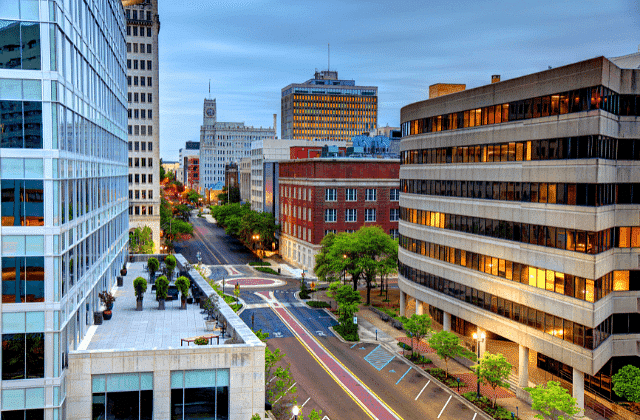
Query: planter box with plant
{"points": [[107, 299], [162, 287], [170, 262], [139, 286], [182, 283], [152, 266]]}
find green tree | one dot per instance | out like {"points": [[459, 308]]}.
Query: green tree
{"points": [[447, 346], [493, 370], [162, 287], [553, 401], [152, 266], [348, 301], [140, 241], [182, 283], [163, 173], [182, 211], [418, 326], [193, 197], [171, 262], [324, 268], [139, 287], [278, 379], [626, 383], [313, 415], [256, 417]]}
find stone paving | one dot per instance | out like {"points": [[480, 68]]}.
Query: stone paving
{"points": [[149, 328]]}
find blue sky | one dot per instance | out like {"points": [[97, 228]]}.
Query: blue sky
{"points": [[252, 49]]}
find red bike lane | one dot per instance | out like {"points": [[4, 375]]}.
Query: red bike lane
{"points": [[367, 400]]}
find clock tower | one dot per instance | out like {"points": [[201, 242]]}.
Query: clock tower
{"points": [[209, 112]]}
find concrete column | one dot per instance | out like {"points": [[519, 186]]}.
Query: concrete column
{"points": [[419, 308], [403, 303], [446, 321], [578, 388], [523, 366]]}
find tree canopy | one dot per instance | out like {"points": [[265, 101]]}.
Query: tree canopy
{"points": [[553, 401], [447, 346], [493, 370], [140, 241], [626, 383], [418, 326], [348, 301], [367, 253], [241, 222]]}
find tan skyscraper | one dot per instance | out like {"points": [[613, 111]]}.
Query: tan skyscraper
{"points": [[143, 26]]}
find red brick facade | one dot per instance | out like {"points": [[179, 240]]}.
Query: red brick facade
{"points": [[303, 185], [300, 152], [193, 168]]}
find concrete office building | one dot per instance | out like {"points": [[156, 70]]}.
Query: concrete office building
{"points": [[143, 26], [328, 108], [272, 150], [245, 179], [63, 170], [520, 208], [190, 150], [171, 166], [331, 195], [222, 143]]}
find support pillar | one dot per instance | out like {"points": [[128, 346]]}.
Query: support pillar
{"points": [[523, 366], [446, 321], [578, 388], [419, 308], [403, 303]]}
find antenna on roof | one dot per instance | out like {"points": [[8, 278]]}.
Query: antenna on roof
{"points": [[209, 88], [328, 57]]}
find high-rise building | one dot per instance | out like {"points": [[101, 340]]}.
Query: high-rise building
{"points": [[222, 143], [520, 208], [143, 26], [328, 108], [63, 170], [190, 150]]}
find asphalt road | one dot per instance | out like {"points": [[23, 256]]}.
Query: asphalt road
{"points": [[215, 246]]}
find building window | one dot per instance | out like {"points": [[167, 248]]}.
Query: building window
{"points": [[330, 194], [394, 215], [351, 194], [16, 116], [22, 279], [200, 394], [370, 215], [330, 215], [371, 194], [122, 396], [394, 233], [351, 215], [22, 355], [22, 203], [394, 194]]}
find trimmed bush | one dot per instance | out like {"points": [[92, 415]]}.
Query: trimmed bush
{"points": [[182, 283], [201, 341], [139, 283], [318, 304], [259, 263], [162, 287], [267, 270], [347, 335], [404, 346]]}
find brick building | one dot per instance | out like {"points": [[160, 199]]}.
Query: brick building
{"points": [[193, 172], [323, 195]]}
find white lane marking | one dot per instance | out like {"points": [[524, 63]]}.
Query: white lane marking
{"points": [[422, 390], [445, 405], [272, 379], [292, 387], [305, 402], [474, 416]]}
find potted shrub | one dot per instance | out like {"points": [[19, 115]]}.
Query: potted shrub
{"points": [[107, 314], [182, 283], [170, 262], [162, 286], [152, 266], [140, 286], [107, 299], [123, 270]]}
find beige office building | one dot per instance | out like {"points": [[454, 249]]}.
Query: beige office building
{"points": [[520, 205], [143, 25]]}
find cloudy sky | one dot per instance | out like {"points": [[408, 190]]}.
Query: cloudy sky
{"points": [[251, 49]]}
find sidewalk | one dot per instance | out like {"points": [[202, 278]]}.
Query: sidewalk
{"points": [[369, 322]]}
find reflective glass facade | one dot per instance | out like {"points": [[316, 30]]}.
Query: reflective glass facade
{"points": [[63, 181]]}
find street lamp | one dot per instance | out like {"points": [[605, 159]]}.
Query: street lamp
{"points": [[479, 339], [295, 410], [344, 272]]}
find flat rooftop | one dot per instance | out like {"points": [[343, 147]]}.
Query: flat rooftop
{"points": [[150, 328]]}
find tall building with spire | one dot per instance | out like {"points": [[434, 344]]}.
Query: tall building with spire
{"points": [[328, 108], [143, 26]]}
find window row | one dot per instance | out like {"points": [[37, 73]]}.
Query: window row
{"points": [[140, 210], [579, 100], [528, 192], [351, 194], [141, 178], [22, 202], [144, 81], [142, 97], [589, 338], [144, 48], [122, 396], [583, 147], [553, 281], [144, 146], [351, 215], [133, 14], [561, 238], [133, 30], [21, 124], [140, 130], [140, 162], [140, 114], [20, 45], [140, 194], [82, 196], [142, 64]]}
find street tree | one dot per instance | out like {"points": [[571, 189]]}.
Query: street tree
{"points": [[417, 327], [626, 383], [447, 346], [553, 402], [348, 301], [493, 370], [323, 267], [193, 197], [140, 241]]}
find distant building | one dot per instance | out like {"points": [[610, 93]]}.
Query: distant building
{"points": [[143, 27], [377, 146], [322, 195], [231, 178], [193, 172], [274, 150], [170, 166], [224, 142], [191, 149], [441, 89], [391, 132], [245, 179], [327, 108]]}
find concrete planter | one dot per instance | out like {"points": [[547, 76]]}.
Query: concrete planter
{"points": [[97, 318], [138, 304], [211, 325], [183, 303], [120, 281], [161, 304]]}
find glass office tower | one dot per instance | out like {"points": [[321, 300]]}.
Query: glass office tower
{"points": [[63, 175]]}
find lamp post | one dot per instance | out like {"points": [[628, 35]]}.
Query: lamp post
{"points": [[479, 339], [295, 410], [344, 272]]}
